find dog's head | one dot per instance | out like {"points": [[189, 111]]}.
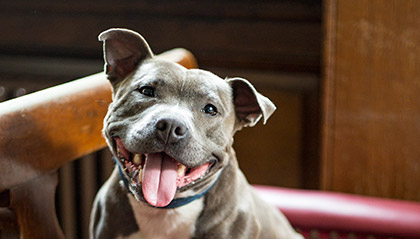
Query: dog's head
{"points": [[171, 128]]}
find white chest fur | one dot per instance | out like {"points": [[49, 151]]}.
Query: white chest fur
{"points": [[154, 223]]}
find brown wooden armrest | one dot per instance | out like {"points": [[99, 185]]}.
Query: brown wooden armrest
{"points": [[42, 131]]}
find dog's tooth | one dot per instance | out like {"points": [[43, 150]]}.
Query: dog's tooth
{"points": [[137, 159], [181, 170], [140, 175]]}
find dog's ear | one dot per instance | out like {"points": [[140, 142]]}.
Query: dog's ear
{"points": [[249, 105], [123, 51]]}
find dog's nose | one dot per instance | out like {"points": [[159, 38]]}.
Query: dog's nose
{"points": [[170, 130]]}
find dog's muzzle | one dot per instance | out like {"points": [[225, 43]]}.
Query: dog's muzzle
{"points": [[157, 174]]}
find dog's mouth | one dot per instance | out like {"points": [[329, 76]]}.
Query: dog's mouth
{"points": [[158, 175]]}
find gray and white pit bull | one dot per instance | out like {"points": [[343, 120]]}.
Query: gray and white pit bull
{"points": [[171, 132]]}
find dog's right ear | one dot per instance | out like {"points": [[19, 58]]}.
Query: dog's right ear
{"points": [[123, 51], [250, 106]]}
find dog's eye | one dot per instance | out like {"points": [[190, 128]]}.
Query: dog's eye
{"points": [[147, 91], [209, 109]]}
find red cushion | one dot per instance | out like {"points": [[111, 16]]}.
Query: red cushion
{"points": [[340, 212]]}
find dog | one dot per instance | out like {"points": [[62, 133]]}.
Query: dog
{"points": [[171, 131]]}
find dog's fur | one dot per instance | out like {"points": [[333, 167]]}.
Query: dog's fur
{"points": [[196, 134]]}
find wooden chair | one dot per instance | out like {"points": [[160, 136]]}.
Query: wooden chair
{"points": [[42, 131]]}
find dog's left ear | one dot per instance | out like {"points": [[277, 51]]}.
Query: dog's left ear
{"points": [[250, 105], [123, 51]]}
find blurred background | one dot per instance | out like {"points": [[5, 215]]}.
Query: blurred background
{"points": [[344, 76]]}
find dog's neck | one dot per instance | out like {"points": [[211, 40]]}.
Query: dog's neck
{"points": [[231, 182], [178, 223]]}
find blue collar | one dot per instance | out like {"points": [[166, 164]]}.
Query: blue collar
{"points": [[178, 202]]}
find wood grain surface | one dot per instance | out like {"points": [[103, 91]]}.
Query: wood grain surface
{"points": [[371, 116]]}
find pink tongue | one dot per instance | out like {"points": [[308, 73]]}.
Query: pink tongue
{"points": [[159, 179]]}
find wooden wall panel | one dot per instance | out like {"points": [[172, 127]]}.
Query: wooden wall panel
{"points": [[277, 35], [270, 154], [371, 126]]}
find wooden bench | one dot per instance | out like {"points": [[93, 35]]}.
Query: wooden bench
{"points": [[42, 131]]}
